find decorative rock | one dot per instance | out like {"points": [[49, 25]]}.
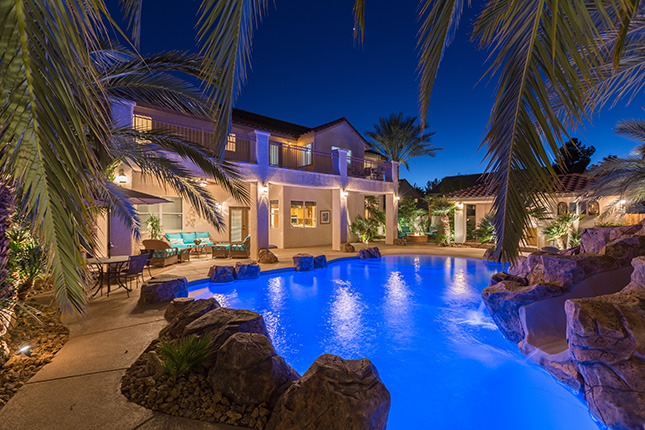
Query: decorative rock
{"points": [[320, 262], [176, 306], [190, 313], [605, 336], [247, 370], [222, 323], [399, 241], [625, 248], [334, 394], [347, 247], [568, 270], [501, 276], [303, 262], [571, 251], [247, 269], [266, 257], [504, 299], [154, 365], [489, 254], [550, 250], [369, 253], [564, 370], [163, 288], [221, 274], [594, 240]]}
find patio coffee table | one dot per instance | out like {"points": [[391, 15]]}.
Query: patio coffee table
{"points": [[199, 250]]}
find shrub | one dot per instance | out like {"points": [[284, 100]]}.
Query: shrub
{"points": [[154, 226], [183, 355], [609, 224]]}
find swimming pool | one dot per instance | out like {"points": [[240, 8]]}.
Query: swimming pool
{"points": [[419, 319]]}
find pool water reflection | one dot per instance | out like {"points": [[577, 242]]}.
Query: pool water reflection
{"points": [[421, 322]]}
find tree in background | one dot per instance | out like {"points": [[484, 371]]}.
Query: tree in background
{"points": [[432, 187], [400, 139], [411, 215], [573, 157], [562, 232]]}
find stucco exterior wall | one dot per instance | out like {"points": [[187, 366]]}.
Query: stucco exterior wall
{"points": [[306, 236], [341, 135]]}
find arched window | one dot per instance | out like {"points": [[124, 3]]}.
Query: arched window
{"points": [[563, 208], [593, 208]]}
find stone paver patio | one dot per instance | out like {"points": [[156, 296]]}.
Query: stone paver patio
{"points": [[80, 388]]}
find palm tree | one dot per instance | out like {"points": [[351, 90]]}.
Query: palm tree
{"points": [[624, 177], [400, 139], [443, 208]]}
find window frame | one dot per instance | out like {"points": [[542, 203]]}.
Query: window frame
{"points": [[274, 216], [300, 221]]}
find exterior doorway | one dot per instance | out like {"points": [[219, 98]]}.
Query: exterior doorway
{"points": [[238, 224]]}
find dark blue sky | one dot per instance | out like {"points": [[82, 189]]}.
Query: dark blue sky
{"points": [[306, 69]]}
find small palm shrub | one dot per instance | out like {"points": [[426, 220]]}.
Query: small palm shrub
{"points": [[364, 228], [486, 229], [154, 226], [183, 355]]}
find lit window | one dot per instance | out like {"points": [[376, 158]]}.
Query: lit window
{"points": [[231, 142], [304, 155], [142, 123], [310, 214], [170, 214], [297, 214], [274, 211], [563, 208], [593, 208]]}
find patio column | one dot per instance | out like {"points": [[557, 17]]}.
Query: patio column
{"points": [[338, 218], [391, 218], [460, 224], [259, 217], [262, 152]]}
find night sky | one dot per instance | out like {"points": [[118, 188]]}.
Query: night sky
{"points": [[306, 69]]}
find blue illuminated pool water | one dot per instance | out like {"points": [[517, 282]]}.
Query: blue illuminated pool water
{"points": [[419, 319]]}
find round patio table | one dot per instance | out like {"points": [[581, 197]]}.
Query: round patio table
{"points": [[111, 263]]}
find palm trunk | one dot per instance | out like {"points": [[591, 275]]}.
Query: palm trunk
{"points": [[445, 220]]}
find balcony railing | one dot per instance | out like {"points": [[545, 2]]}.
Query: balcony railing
{"points": [[368, 169], [300, 158], [238, 147]]}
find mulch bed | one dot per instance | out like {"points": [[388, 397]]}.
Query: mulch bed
{"points": [[45, 337], [188, 396]]}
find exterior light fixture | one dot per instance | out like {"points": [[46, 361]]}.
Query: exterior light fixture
{"points": [[622, 202], [344, 193], [264, 188], [25, 350], [203, 182], [397, 198], [121, 178], [218, 207]]}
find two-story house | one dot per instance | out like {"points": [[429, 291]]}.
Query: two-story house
{"points": [[305, 184]]}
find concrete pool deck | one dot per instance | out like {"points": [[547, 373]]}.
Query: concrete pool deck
{"points": [[80, 388]]}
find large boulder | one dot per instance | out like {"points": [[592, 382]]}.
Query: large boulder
{"points": [[320, 262], [625, 248], [247, 269], [248, 370], [593, 240], [504, 300], [303, 262], [347, 247], [503, 276], [176, 306], [266, 257], [399, 241], [163, 288], [221, 323], [221, 274], [568, 270], [367, 253], [334, 394], [187, 315], [606, 336]]}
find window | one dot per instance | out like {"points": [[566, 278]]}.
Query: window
{"points": [[142, 123], [593, 208], [310, 214], [170, 214], [349, 152], [274, 211], [563, 208], [297, 214], [231, 142], [274, 154]]}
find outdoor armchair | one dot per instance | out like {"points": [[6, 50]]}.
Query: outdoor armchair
{"points": [[241, 249], [163, 254]]}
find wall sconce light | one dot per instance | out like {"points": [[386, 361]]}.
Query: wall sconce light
{"points": [[203, 182], [344, 194], [121, 178], [622, 202], [460, 205], [218, 207], [264, 189], [397, 198]]}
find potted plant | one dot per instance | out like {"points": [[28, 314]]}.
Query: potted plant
{"points": [[153, 225]]}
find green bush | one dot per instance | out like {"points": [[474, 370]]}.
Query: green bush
{"points": [[609, 224], [183, 355], [154, 226]]}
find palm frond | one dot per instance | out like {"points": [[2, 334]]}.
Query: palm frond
{"points": [[132, 12], [225, 32], [359, 21], [48, 101]]}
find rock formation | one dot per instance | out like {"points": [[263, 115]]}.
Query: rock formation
{"points": [[163, 288], [372, 252], [221, 274], [303, 262], [265, 256], [247, 269], [347, 247], [334, 394], [603, 316], [187, 315], [320, 262]]}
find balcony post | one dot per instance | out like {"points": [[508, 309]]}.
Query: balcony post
{"points": [[259, 217], [262, 152], [339, 162]]}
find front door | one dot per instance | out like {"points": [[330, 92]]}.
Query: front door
{"points": [[238, 224]]}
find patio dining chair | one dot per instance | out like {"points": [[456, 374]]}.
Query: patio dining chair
{"points": [[133, 270]]}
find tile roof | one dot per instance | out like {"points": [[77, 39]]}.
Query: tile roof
{"points": [[571, 183], [269, 124]]}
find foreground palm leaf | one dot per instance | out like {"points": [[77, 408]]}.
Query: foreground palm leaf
{"points": [[48, 102]]}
